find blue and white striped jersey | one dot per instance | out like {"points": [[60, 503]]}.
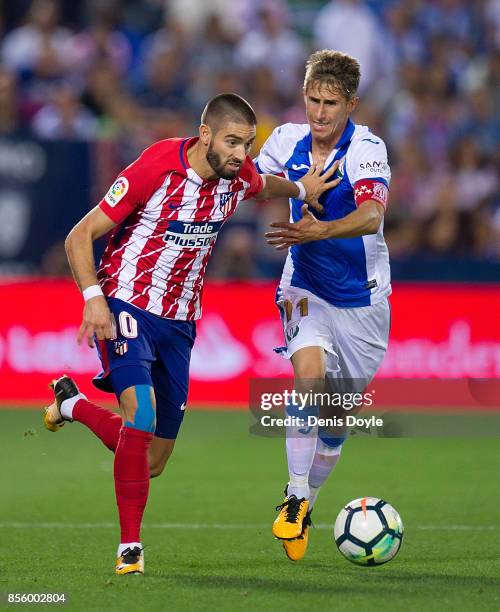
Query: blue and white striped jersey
{"points": [[346, 272]]}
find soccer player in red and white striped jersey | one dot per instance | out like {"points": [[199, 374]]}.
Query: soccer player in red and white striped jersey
{"points": [[164, 211]]}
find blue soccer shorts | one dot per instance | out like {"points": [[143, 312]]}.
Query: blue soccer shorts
{"points": [[149, 350]]}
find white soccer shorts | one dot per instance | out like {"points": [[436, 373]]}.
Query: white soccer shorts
{"points": [[354, 339]]}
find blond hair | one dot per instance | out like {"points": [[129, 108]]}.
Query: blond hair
{"points": [[334, 69]]}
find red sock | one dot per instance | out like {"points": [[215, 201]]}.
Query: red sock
{"points": [[132, 480], [104, 423]]}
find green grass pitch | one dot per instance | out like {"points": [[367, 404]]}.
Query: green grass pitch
{"points": [[207, 526]]}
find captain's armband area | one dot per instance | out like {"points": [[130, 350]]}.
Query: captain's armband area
{"points": [[365, 190]]}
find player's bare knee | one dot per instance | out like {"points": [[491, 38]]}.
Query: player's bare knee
{"points": [[309, 381], [309, 371], [159, 453], [128, 404], [309, 366], [156, 466], [156, 470]]}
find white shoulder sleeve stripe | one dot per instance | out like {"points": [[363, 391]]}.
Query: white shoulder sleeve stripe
{"points": [[268, 158], [279, 147], [367, 159]]}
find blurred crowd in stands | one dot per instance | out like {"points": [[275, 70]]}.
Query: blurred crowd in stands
{"points": [[123, 73]]}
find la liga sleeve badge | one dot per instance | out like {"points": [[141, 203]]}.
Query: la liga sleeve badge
{"points": [[117, 190]]}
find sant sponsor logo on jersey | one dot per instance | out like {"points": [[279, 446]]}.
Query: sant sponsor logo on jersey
{"points": [[375, 166]]}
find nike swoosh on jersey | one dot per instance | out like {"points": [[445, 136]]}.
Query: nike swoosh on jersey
{"points": [[370, 140]]}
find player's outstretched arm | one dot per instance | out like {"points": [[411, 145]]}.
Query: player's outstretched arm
{"points": [[364, 220], [309, 188], [97, 317]]}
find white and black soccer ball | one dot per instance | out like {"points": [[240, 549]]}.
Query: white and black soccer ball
{"points": [[368, 531]]}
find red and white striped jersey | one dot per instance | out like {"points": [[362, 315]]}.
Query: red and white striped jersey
{"points": [[168, 219]]}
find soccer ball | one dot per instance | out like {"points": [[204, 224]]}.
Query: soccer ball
{"points": [[368, 531]]}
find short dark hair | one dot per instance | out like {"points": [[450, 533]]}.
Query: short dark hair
{"points": [[227, 107], [334, 69]]}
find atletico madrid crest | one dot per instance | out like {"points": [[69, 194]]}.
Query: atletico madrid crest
{"points": [[121, 347], [226, 202]]}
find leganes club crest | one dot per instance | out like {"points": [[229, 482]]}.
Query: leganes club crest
{"points": [[292, 332]]}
